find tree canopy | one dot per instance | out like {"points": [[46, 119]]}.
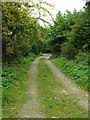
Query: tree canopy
{"points": [[67, 35], [20, 26], [70, 33]]}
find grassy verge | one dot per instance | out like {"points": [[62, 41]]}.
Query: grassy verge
{"points": [[14, 80], [55, 100], [78, 72]]}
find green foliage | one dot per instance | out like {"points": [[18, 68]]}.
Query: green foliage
{"points": [[82, 57], [8, 77], [59, 32], [79, 36], [14, 78], [70, 33], [69, 36], [68, 50], [21, 31], [21, 28], [78, 72]]}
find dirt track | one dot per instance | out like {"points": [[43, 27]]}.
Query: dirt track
{"points": [[31, 107]]}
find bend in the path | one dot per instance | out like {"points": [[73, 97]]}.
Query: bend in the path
{"points": [[80, 95], [31, 108]]}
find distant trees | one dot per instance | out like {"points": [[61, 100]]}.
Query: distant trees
{"points": [[70, 33], [58, 33]]}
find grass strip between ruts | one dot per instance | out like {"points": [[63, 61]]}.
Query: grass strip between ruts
{"points": [[56, 101]]}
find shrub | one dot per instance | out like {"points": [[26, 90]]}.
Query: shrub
{"points": [[82, 57], [68, 50]]}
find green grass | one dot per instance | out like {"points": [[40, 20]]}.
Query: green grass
{"points": [[77, 72], [14, 79], [55, 100]]}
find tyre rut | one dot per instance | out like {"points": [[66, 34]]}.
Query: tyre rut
{"points": [[31, 108], [80, 95]]}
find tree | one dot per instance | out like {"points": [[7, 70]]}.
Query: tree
{"points": [[20, 27], [59, 32], [80, 34]]}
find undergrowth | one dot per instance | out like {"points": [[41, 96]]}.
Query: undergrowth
{"points": [[14, 77], [77, 71]]}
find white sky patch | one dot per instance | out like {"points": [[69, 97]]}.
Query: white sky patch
{"points": [[63, 5]]}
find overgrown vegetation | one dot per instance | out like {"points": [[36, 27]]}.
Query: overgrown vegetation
{"points": [[68, 39], [70, 33], [21, 28], [22, 35], [55, 100], [78, 72], [14, 79]]}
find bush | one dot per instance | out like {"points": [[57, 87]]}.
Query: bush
{"points": [[82, 57], [8, 76], [68, 50]]}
